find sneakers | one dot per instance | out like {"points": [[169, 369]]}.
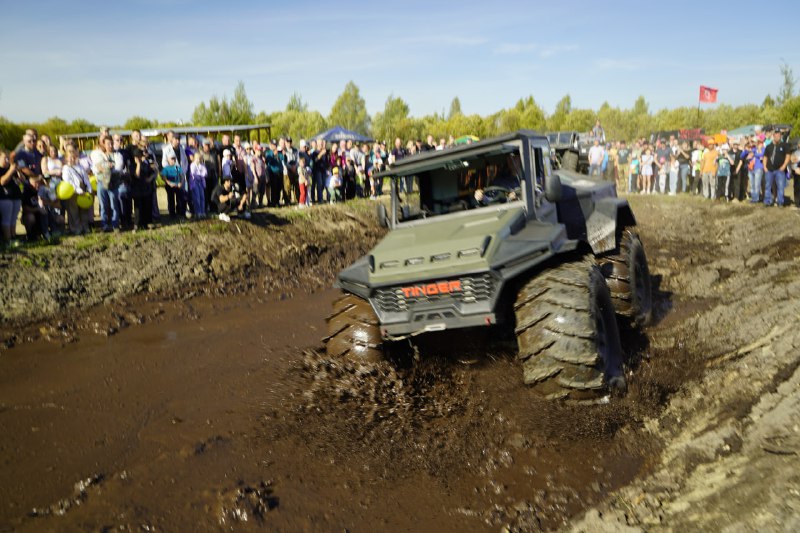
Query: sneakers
{"points": [[225, 218]]}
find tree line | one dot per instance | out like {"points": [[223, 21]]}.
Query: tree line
{"points": [[395, 120]]}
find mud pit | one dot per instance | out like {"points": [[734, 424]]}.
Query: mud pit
{"points": [[220, 411]]}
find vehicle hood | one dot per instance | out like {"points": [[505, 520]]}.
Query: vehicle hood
{"points": [[442, 247]]}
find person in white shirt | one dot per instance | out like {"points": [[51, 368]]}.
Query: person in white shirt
{"points": [[596, 155]]}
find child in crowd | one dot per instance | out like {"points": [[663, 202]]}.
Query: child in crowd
{"points": [[647, 171], [634, 179], [173, 184], [724, 164], [197, 185], [303, 179], [674, 170], [663, 169], [334, 183], [227, 163]]}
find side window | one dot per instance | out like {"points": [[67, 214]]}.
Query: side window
{"points": [[539, 165]]}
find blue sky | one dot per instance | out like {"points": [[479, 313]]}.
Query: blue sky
{"points": [[107, 61]]}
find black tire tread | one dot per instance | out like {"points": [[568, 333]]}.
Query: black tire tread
{"points": [[616, 269], [353, 330], [556, 333], [569, 161]]}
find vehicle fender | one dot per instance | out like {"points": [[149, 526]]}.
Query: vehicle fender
{"points": [[604, 226]]}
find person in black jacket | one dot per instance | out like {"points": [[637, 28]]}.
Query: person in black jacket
{"points": [[776, 159]]}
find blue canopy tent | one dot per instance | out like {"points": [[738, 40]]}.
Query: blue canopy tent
{"points": [[338, 134]]}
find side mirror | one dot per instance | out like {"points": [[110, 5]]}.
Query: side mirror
{"points": [[383, 218], [552, 187]]}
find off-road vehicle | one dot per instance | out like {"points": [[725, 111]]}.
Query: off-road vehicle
{"points": [[493, 235], [570, 150]]}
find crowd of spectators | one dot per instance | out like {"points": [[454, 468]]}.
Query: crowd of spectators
{"points": [[753, 169], [203, 177], [200, 177]]}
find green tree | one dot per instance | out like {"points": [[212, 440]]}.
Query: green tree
{"points": [[221, 111], [393, 121], [296, 103], [350, 110], [557, 121], [786, 91], [10, 133], [580, 120], [137, 122], [455, 108]]}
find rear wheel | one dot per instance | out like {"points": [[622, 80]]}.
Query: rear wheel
{"points": [[353, 330], [569, 161], [567, 333], [628, 279]]}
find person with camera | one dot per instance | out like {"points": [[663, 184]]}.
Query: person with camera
{"points": [[142, 188], [224, 197]]}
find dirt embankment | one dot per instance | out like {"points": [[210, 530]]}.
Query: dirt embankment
{"points": [[731, 457], [278, 251]]}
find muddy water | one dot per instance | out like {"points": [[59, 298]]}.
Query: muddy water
{"points": [[223, 413]]}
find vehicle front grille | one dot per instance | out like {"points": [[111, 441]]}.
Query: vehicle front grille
{"points": [[473, 289]]}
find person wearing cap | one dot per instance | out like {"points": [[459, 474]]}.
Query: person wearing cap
{"points": [[776, 159], [708, 170]]}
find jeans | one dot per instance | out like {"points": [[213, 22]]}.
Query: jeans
{"points": [[683, 175], [9, 211], [673, 181], [708, 185], [755, 184], [631, 182], [778, 177], [594, 170], [109, 206]]}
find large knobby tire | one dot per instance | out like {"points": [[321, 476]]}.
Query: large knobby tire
{"points": [[353, 330], [628, 279], [569, 161], [567, 333]]}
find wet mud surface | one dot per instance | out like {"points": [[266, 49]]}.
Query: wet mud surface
{"points": [[222, 411]]}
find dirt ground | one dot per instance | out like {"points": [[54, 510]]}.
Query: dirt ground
{"points": [[130, 401]]}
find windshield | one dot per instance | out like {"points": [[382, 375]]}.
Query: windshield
{"points": [[460, 185]]}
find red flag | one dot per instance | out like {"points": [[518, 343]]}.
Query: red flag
{"points": [[708, 95]]}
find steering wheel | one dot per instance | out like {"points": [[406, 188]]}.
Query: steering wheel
{"points": [[496, 194]]}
